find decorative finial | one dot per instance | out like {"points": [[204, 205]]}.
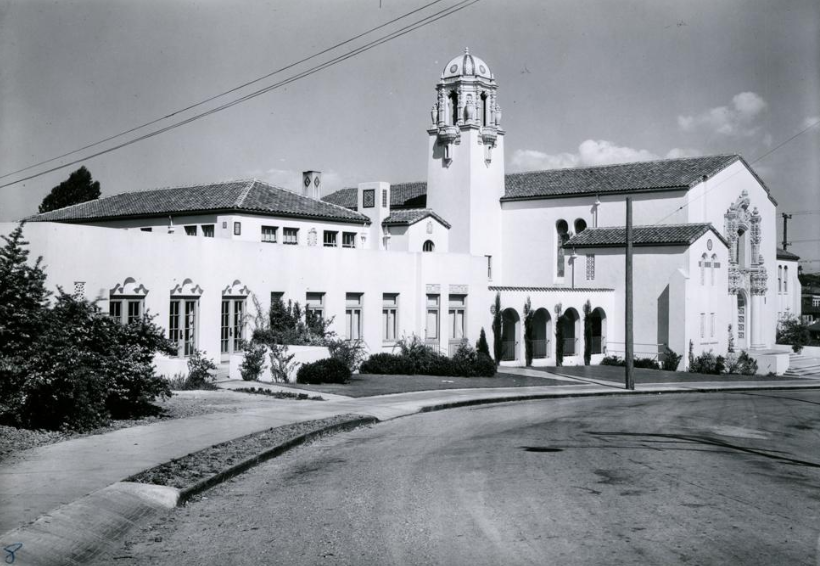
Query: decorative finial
{"points": [[466, 50]]}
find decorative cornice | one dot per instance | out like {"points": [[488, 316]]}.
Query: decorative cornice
{"points": [[129, 287]]}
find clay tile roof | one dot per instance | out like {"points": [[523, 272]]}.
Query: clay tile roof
{"points": [[786, 255], [402, 195], [411, 216], [663, 174], [231, 196], [661, 235]]}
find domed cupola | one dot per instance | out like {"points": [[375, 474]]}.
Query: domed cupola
{"points": [[466, 100], [467, 65]]}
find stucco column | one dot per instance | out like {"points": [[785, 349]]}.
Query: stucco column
{"points": [[756, 307]]}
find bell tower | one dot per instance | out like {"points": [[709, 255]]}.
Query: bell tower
{"points": [[465, 170]]}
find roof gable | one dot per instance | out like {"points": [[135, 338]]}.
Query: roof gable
{"points": [[660, 235], [410, 216]]}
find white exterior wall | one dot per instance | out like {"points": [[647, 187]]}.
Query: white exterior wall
{"points": [[102, 258], [412, 238], [789, 292]]}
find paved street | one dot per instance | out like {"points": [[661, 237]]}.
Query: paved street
{"points": [[721, 478]]}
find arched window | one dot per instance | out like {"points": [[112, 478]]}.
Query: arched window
{"points": [[580, 225], [779, 278], [786, 279], [703, 259], [562, 230], [742, 252], [714, 265], [452, 107], [429, 246], [485, 111]]}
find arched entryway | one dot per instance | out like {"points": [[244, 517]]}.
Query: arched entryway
{"points": [[597, 320], [511, 333], [542, 330], [569, 332]]}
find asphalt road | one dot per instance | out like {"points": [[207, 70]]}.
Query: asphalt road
{"points": [[671, 479]]}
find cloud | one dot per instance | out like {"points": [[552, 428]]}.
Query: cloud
{"points": [[810, 121], [676, 152], [590, 153], [736, 119]]}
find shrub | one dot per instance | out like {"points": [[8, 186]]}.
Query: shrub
{"points": [[418, 355], [646, 363], [742, 364], [484, 366], [481, 346], [498, 344], [281, 363], [588, 333], [671, 360], [289, 324], [350, 352], [613, 361], [529, 331], [793, 331], [388, 364], [253, 362], [464, 360], [707, 362], [559, 337], [329, 370], [199, 371]]}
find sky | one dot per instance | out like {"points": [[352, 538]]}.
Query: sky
{"points": [[580, 82]]}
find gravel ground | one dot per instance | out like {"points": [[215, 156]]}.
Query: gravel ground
{"points": [[183, 404], [186, 471]]}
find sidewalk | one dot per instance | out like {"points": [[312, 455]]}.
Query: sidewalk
{"points": [[59, 474]]}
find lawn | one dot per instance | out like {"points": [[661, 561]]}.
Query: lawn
{"points": [[616, 375], [367, 385]]}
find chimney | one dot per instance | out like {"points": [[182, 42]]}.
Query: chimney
{"points": [[312, 184]]}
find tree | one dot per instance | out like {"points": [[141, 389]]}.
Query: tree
{"points": [[481, 346], [559, 335], [498, 344], [78, 188], [793, 331], [587, 333], [529, 331]]}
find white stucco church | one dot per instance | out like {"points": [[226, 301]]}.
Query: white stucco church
{"points": [[428, 258]]}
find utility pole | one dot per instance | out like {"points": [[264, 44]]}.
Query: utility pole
{"points": [[628, 355], [786, 218]]}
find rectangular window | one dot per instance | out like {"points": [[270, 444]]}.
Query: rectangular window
{"points": [[145, 229], [590, 267], [815, 301], [276, 296], [331, 239], [703, 325], [115, 310], [269, 234], [353, 316], [457, 326], [489, 267], [208, 230], [237, 228], [315, 304], [134, 311], [390, 305], [348, 239], [432, 321], [125, 310], [384, 199], [190, 230], [290, 236], [712, 325], [369, 198], [182, 325]]}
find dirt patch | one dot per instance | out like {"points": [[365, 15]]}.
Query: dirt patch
{"points": [[194, 468]]}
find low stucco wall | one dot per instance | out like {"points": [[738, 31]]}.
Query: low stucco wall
{"points": [[771, 361], [810, 351], [302, 355]]}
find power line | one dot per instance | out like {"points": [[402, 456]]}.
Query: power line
{"points": [[713, 187], [375, 43], [801, 212]]}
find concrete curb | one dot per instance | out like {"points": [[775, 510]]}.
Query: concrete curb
{"points": [[265, 455]]}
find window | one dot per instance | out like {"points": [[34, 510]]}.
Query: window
{"points": [[390, 304], [489, 267], [590, 267], [315, 304], [208, 230], [703, 263], [712, 325], [779, 278], [431, 329], [237, 228], [348, 239], [702, 325], [429, 246], [190, 230], [145, 229], [290, 236], [269, 234], [233, 325], [276, 296], [125, 310], [815, 301], [452, 107], [369, 198], [331, 239], [715, 265], [580, 225], [384, 198], [183, 325], [786, 279], [562, 231], [457, 326], [353, 316]]}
